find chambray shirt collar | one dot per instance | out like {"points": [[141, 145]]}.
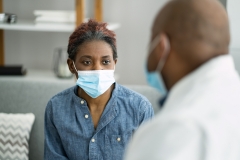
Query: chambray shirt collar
{"points": [[112, 101], [162, 101], [110, 111]]}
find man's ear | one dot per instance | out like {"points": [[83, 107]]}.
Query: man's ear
{"points": [[165, 45], [115, 60], [70, 66], [160, 46]]}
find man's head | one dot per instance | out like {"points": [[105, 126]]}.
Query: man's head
{"points": [[195, 30]]}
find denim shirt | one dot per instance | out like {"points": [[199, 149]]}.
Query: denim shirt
{"points": [[69, 129]]}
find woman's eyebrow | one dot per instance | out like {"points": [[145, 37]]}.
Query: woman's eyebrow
{"points": [[107, 56], [86, 56]]}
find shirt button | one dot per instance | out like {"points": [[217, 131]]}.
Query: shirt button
{"points": [[93, 140], [118, 139], [86, 116], [82, 101]]}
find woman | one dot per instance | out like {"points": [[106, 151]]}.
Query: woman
{"points": [[96, 118]]}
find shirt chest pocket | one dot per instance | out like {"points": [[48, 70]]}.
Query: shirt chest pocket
{"points": [[117, 145]]}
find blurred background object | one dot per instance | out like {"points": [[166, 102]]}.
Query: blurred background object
{"points": [[60, 66], [98, 10], [8, 18], [16, 70], [53, 16]]}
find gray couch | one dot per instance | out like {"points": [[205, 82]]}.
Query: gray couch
{"points": [[25, 95]]}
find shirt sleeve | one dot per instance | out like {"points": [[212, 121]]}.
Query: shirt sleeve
{"points": [[53, 148], [169, 140], [146, 111]]}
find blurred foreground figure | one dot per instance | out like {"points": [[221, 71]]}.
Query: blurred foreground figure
{"points": [[200, 119]]}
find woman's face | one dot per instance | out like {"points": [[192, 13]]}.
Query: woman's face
{"points": [[94, 55]]}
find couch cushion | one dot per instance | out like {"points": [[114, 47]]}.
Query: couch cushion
{"points": [[14, 135], [30, 97]]}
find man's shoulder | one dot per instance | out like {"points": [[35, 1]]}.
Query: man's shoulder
{"points": [[162, 135]]}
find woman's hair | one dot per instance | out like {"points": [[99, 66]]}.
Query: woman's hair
{"points": [[89, 31]]}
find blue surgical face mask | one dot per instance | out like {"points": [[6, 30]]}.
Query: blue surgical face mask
{"points": [[95, 82], [155, 79]]}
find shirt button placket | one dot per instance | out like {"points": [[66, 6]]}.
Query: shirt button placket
{"points": [[93, 149]]}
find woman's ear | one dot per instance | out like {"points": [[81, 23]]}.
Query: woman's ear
{"points": [[71, 66], [115, 60]]}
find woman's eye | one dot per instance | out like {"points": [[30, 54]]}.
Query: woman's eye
{"points": [[106, 62], [86, 62]]}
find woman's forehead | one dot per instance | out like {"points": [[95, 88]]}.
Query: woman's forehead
{"points": [[95, 48]]}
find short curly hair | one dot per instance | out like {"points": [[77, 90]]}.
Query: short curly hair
{"points": [[89, 31]]}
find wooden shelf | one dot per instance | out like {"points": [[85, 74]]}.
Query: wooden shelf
{"points": [[26, 25], [39, 75]]}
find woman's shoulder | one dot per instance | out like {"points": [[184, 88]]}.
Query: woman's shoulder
{"points": [[130, 98], [129, 92], [65, 94]]}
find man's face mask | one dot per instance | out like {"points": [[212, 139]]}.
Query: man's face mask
{"points": [[155, 79], [95, 82]]}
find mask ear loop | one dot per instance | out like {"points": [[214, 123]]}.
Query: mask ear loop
{"points": [[154, 43], [164, 55], [74, 66], [77, 71], [152, 46]]}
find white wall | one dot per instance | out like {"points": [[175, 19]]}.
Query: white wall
{"points": [[233, 9], [35, 49], [223, 2]]}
